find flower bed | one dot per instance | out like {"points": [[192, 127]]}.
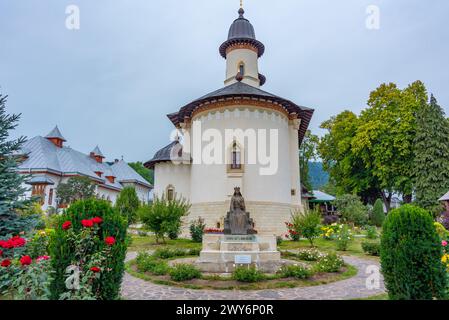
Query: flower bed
{"points": [[213, 231], [169, 267]]}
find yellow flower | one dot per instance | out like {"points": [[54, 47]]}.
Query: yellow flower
{"points": [[445, 258]]}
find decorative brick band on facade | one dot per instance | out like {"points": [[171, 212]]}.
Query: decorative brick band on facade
{"points": [[239, 103], [242, 45]]}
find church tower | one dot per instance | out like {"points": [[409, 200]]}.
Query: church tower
{"points": [[244, 121], [242, 52]]}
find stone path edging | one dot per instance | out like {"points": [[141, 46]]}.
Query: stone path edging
{"points": [[352, 288]]}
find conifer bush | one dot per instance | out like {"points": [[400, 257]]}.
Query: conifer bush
{"points": [[110, 236], [411, 256], [378, 215]]}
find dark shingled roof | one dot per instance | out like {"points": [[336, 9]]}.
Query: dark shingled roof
{"points": [[241, 31], [163, 155], [240, 90]]}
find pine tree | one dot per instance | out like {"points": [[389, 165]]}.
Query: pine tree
{"points": [[431, 164], [11, 182]]}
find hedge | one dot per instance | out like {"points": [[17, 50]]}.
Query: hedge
{"points": [[411, 256]]}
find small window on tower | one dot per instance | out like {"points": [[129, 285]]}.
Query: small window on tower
{"points": [[236, 157], [242, 69]]}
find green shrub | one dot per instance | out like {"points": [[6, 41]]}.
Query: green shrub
{"points": [[63, 252], [164, 253], [197, 230], [247, 274], [160, 269], [180, 252], [295, 271], [343, 237], [411, 254], [128, 203], [194, 252], [148, 263], [378, 215], [279, 240], [143, 261], [184, 272], [307, 224], [371, 232], [163, 217], [371, 248], [309, 254], [352, 209], [330, 262], [441, 230]]}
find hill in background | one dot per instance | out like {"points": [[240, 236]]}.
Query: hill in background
{"points": [[317, 176]]}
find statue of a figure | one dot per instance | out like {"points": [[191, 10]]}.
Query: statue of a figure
{"points": [[237, 221]]}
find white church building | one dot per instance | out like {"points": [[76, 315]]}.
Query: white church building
{"points": [[255, 134], [49, 162]]}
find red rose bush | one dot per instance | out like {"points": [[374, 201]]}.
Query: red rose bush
{"points": [[90, 243]]}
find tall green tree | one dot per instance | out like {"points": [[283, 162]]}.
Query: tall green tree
{"points": [[146, 173], [11, 182], [373, 155], [128, 203], [76, 188], [431, 162], [385, 137], [307, 153], [347, 169]]}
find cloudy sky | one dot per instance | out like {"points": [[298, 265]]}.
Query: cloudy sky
{"points": [[132, 62]]}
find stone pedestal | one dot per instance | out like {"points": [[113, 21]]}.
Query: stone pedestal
{"points": [[223, 253]]}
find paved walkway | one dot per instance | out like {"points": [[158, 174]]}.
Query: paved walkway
{"points": [[355, 287]]}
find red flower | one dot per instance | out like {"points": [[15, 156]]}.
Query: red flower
{"points": [[17, 241], [14, 242], [5, 244], [66, 225], [97, 220], [6, 263], [25, 260], [109, 241], [87, 223], [43, 258], [95, 269]]}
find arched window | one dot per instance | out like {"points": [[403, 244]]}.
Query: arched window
{"points": [[170, 193], [236, 157], [242, 69]]}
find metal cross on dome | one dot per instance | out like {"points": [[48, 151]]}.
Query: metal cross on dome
{"points": [[241, 4]]}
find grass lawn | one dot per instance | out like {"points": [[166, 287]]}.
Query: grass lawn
{"points": [[139, 243], [383, 296], [354, 248]]}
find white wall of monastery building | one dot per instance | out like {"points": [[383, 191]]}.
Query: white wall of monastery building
{"points": [[168, 174]]}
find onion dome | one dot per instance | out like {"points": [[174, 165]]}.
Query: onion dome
{"points": [[242, 31]]}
